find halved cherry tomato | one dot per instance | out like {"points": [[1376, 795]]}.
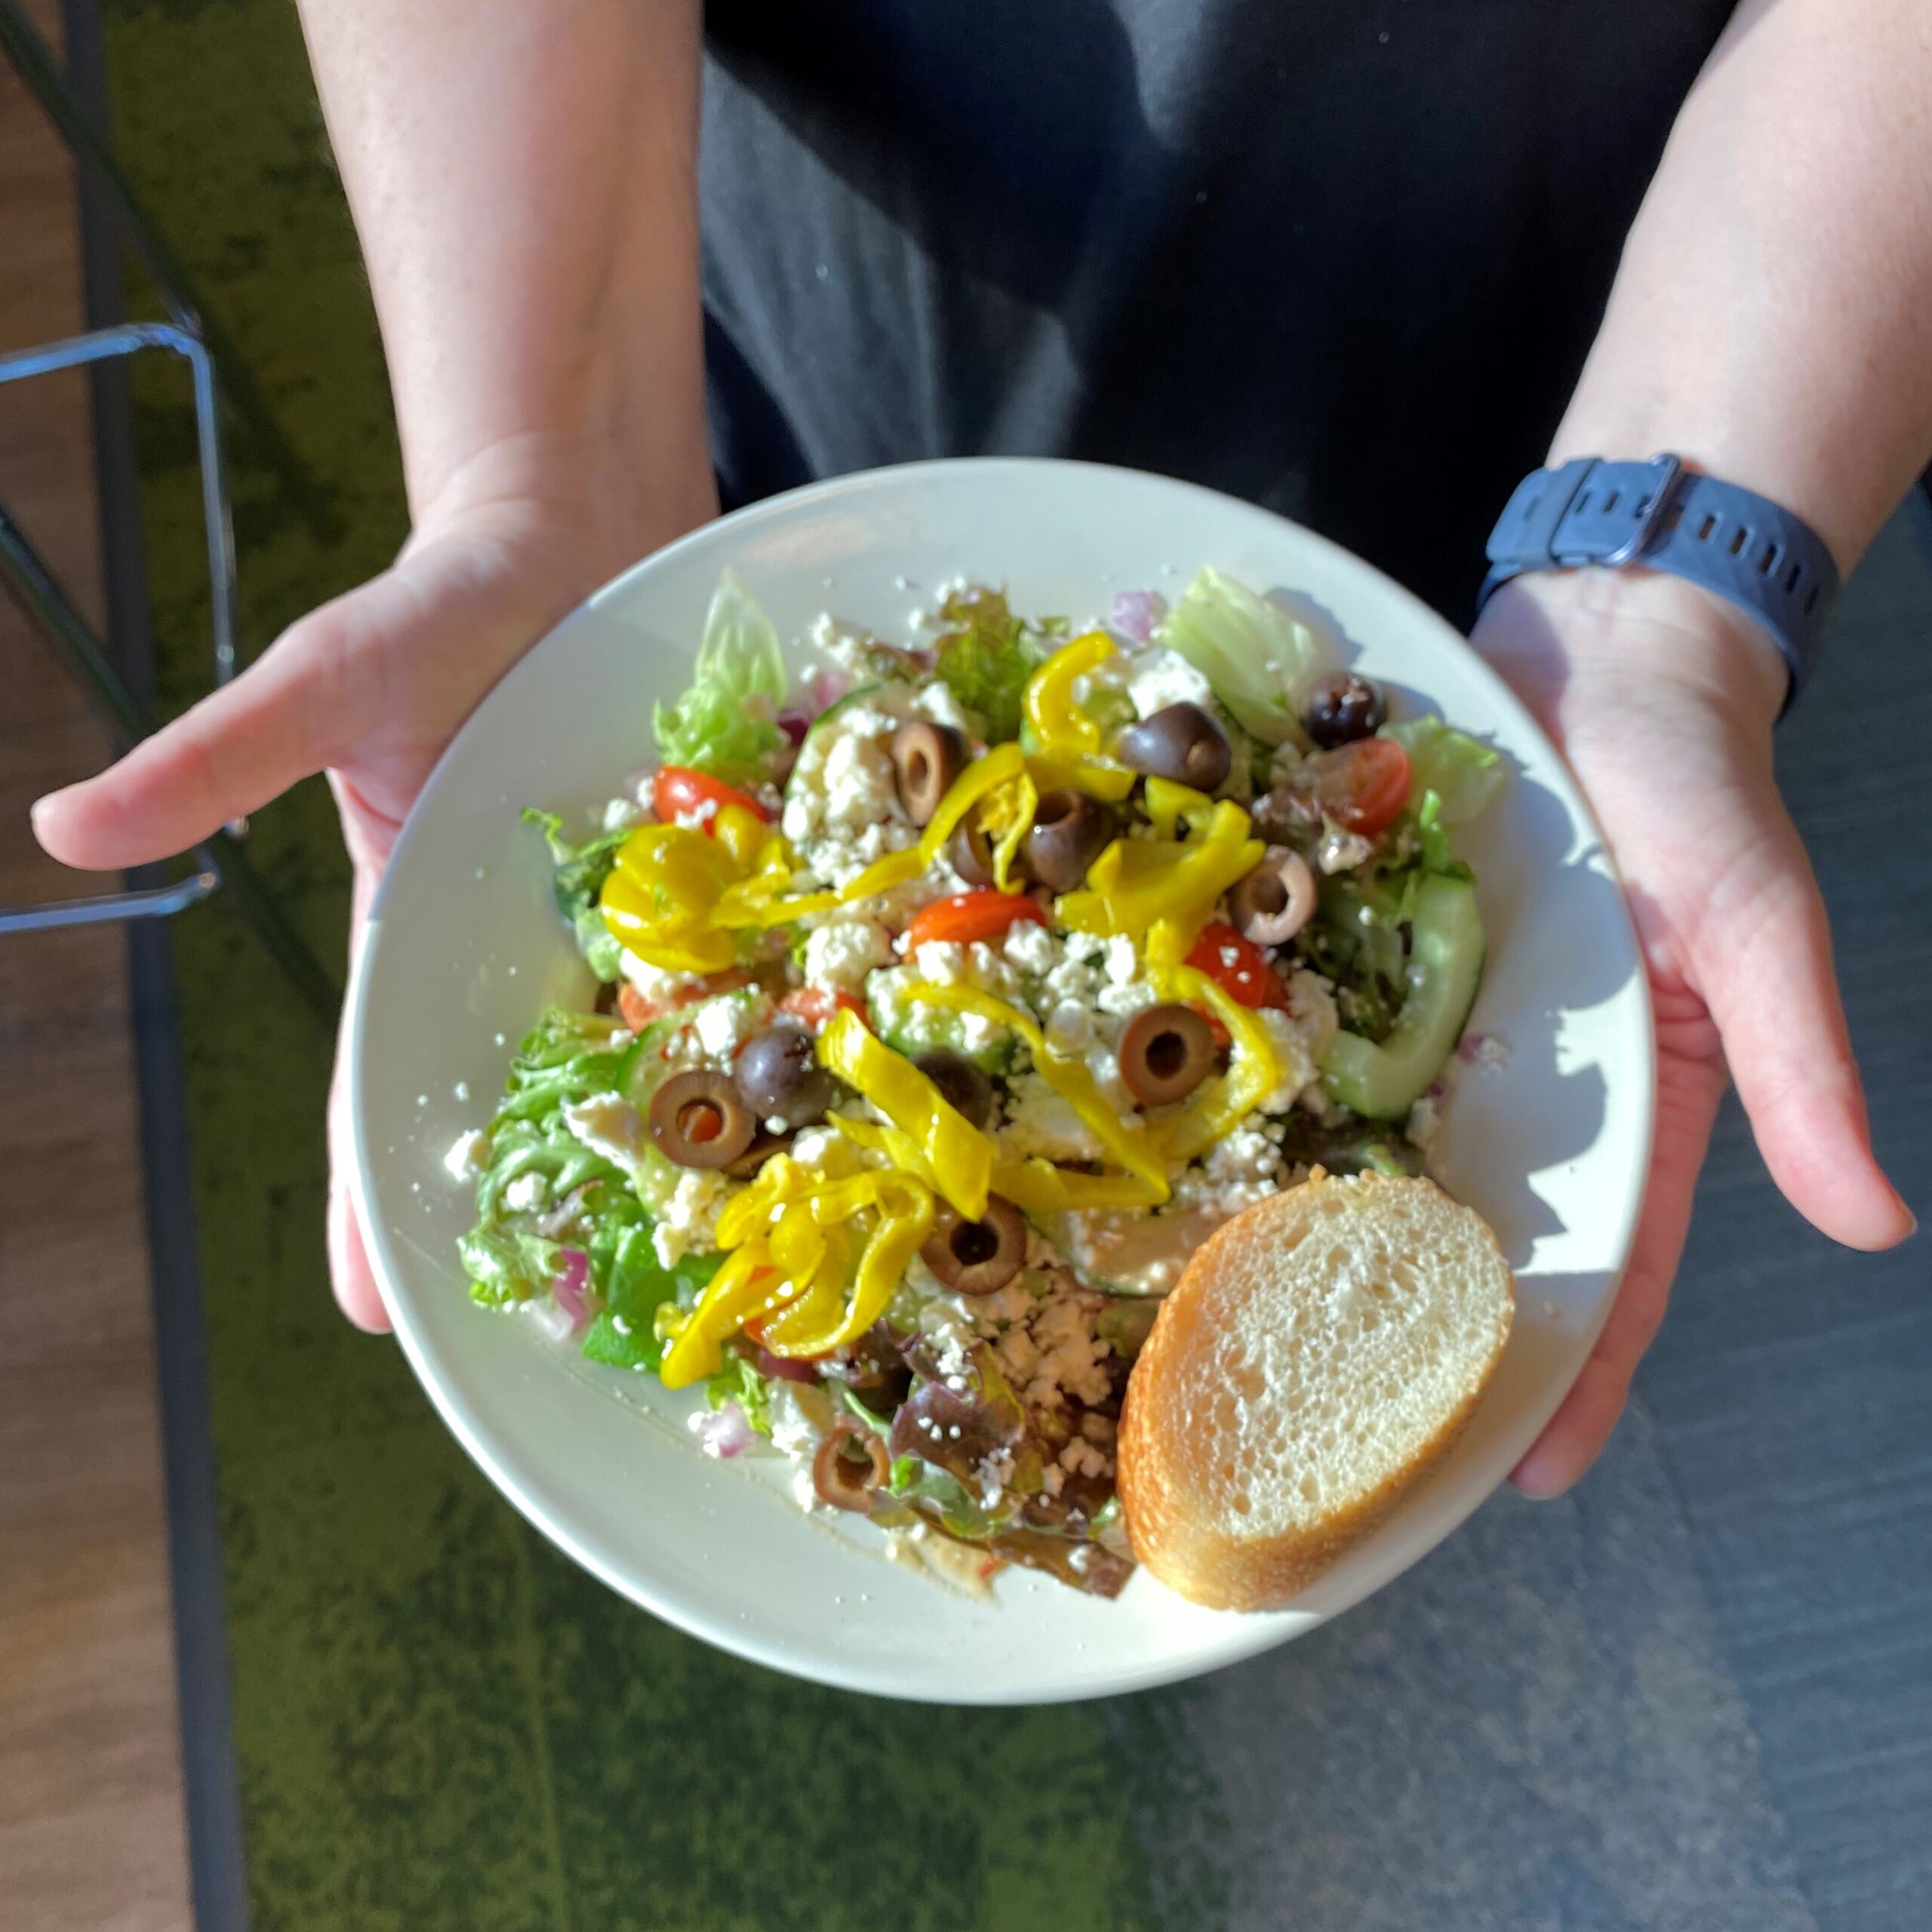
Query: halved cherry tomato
{"points": [[677, 791], [1239, 967], [1362, 786], [967, 916], [638, 1010], [815, 1006]]}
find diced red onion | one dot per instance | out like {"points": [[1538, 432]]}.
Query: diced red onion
{"points": [[785, 1370], [724, 1432], [1136, 612], [823, 688], [568, 1285], [795, 724], [566, 1211], [1469, 1049]]}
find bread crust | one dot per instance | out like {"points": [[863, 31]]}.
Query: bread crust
{"points": [[1191, 1556]]}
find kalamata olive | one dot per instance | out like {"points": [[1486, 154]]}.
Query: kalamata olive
{"points": [[1180, 742], [1165, 1053], [764, 1144], [963, 1086], [1068, 831], [1344, 707], [1276, 900], [971, 852], [978, 1257], [852, 1463], [926, 759], [780, 1076], [699, 1119]]}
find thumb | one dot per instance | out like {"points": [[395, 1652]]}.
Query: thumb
{"points": [[1762, 952], [291, 713]]}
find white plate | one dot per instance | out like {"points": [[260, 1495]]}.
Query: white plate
{"points": [[465, 946]]}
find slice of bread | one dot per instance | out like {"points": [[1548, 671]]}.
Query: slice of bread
{"points": [[1320, 1355]]}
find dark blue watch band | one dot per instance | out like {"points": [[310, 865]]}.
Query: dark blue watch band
{"points": [[1742, 546]]}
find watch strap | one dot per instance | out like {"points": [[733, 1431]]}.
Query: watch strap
{"points": [[1741, 546]]}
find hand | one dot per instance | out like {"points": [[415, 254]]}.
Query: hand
{"points": [[1662, 699], [370, 688]]}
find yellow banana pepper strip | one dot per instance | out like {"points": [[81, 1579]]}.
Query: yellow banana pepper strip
{"points": [[1037, 1187], [1066, 740], [905, 1220], [1097, 777], [1008, 817], [822, 1306], [1127, 1146], [743, 1287], [1169, 802], [1253, 1072], [659, 898], [953, 1153], [1136, 882]]}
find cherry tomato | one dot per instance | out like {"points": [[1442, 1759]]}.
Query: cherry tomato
{"points": [[1362, 786], [1238, 966], [967, 916], [815, 1006], [638, 1010], [677, 791]]}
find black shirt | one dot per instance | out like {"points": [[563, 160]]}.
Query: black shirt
{"points": [[1342, 259]]}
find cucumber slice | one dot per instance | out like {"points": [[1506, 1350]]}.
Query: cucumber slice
{"points": [[1445, 963]]}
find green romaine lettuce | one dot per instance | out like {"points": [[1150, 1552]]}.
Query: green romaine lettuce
{"points": [[739, 1381], [581, 871], [985, 657], [632, 1285], [727, 723], [1256, 656]]}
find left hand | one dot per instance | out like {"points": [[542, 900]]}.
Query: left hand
{"points": [[1662, 701]]}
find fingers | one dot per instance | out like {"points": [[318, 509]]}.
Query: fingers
{"points": [[284, 718], [1763, 954], [1688, 1095]]}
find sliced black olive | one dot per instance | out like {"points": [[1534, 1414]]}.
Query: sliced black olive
{"points": [[926, 759], [1344, 707], [971, 853], [1180, 742], [978, 1257], [1068, 831], [964, 1088], [852, 1463], [699, 1119], [779, 1074], [1165, 1053], [1276, 900]]}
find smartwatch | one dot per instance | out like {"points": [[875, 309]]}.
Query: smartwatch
{"points": [[1742, 546]]}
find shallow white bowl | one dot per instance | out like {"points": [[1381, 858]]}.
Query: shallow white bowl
{"points": [[464, 946]]}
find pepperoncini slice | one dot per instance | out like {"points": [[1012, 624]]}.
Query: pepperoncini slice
{"points": [[1036, 1186], [1254, 1072], [659, 896], [1127, 1146], [1061, 727], [813, 1325], [953, 1154], [1136, 882], [1006, 817], [745, 1286]]}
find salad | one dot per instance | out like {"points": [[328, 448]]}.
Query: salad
{"points": [[950, 995]]}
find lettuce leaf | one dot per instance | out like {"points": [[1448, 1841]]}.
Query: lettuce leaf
{"points": [[581, 871], [1465, 774], [727, 723], [1256, 656], [632, 1285], [985, 657]]}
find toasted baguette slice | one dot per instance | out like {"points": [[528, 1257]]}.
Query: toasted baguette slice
{"points": [[1320, 1355]]}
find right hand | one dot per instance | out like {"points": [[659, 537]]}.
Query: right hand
{"points": [[369, 688]]}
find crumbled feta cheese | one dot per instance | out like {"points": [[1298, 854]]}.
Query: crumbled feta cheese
{"points": [[527, 1193], [1424, 1124], [466, 1154], [620, 814], [1157, 677], [1039, 1122], [839, 956], [936, 701], [652, 981], [942, 961], [608, 1124], [1029, 947], [801, 1413], [722, 1026], [1339, 851], [689, 1218]]}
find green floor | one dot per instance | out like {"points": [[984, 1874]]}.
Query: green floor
{"points": [[440, 1723]]}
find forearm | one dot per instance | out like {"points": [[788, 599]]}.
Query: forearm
{"points": [[1771, 320], [522, 176]]}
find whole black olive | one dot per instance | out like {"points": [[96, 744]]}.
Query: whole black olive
{"points": [[1343, 707], [1276, 900], [1068, 831], [852, 1463], [780, 1077], [971, 854], [699, 1119], [978, 1257], [1165, 1052], [962, 1085], [926, 759], [1180, 742]]}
